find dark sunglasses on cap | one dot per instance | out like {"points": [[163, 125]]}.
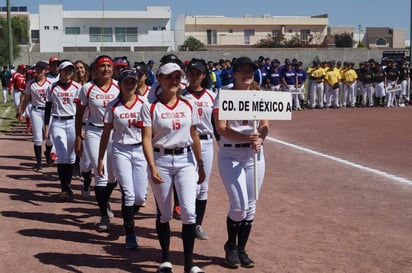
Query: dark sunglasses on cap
{"points": [[128, 73]]}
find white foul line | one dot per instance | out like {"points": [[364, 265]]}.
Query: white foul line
{"points": [[343, 161], [5, 113]]}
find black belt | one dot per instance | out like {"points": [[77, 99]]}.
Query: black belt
{"points": [[63, 118], [175, 151], [94, 125], [135, 144], [39, 107], [238, 145], [205, 136]]}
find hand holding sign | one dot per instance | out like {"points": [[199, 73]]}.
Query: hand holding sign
{"points": [[255, 105]]}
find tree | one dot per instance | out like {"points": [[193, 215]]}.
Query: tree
{"points": [[191, 44], [271, 41], [20, 30], [343, 40], [294, 42], [279, 42]]}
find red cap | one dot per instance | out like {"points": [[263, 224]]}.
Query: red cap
{"points": [[22, 66], [53, 59]]}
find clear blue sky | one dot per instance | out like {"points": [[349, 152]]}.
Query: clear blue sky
{"points": [[367, 13]]}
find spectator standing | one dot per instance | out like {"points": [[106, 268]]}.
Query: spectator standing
{"points": [[5, 76]]}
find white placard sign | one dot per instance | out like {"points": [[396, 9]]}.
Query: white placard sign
{"points": [[254, 105], [395, 88]]}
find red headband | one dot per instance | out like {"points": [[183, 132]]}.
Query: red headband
{"points": [[99, 61]]}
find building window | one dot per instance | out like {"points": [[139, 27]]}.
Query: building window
{"points": [[46, 27], [381, 42], [247, 34], [159, 28], [55, 27], [211, 36], [98, 34], [304, 35], [35, 36], [125, 34], [276, 33], [72, 30]]}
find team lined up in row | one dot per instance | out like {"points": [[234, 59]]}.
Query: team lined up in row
{"points": [[329, 84], [161, 134]]}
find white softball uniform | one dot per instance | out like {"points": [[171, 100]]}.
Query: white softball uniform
{"points": [[173, 156], [236, 168], [129, 162], [62, 129], [96, 100], [204, 102], [37, 93]]}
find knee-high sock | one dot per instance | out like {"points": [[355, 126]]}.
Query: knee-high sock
{"points": [[188, 237], [128, 219], [163, 234], [244, 231], [200, 211], [232, 230]]}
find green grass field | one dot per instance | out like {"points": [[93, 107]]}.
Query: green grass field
{"points": [[7, 116]]}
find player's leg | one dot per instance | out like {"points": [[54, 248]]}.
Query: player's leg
{"points": [[203, 189], [58, 134], [185, 164], [163, 196], [37, 125], [123, 169], [233, 177], [92, 142]]}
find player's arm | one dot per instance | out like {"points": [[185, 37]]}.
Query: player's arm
{"points": [[148, 153], [103, 146], [258, 137], [198, 153], [78, 126], [47, 115], [23, 105]]}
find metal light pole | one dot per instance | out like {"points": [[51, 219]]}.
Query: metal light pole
{"points": [[360, 27], [410, 33], [10, 34]]}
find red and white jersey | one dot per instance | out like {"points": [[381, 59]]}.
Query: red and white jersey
{"points": [[63, 99], [97, 99], [204, 101], [170, 125], [17, 82], [126, 120], [37, 92], [241, 126], [146, 92]]}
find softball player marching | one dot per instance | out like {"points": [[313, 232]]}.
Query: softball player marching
{"points": [[95, 96], [172, 148], [129, 164], [35, 94], [61, 106], [198, 76], [238, 144]]}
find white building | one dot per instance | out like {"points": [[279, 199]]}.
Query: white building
{"points": [[56, 30], [246, 31]]}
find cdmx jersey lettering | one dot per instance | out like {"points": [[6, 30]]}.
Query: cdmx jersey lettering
{"points": [[65, 94], [174, 115]]}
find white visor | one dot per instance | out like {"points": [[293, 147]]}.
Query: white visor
{"points": [[65, 64], [168, 68]]}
